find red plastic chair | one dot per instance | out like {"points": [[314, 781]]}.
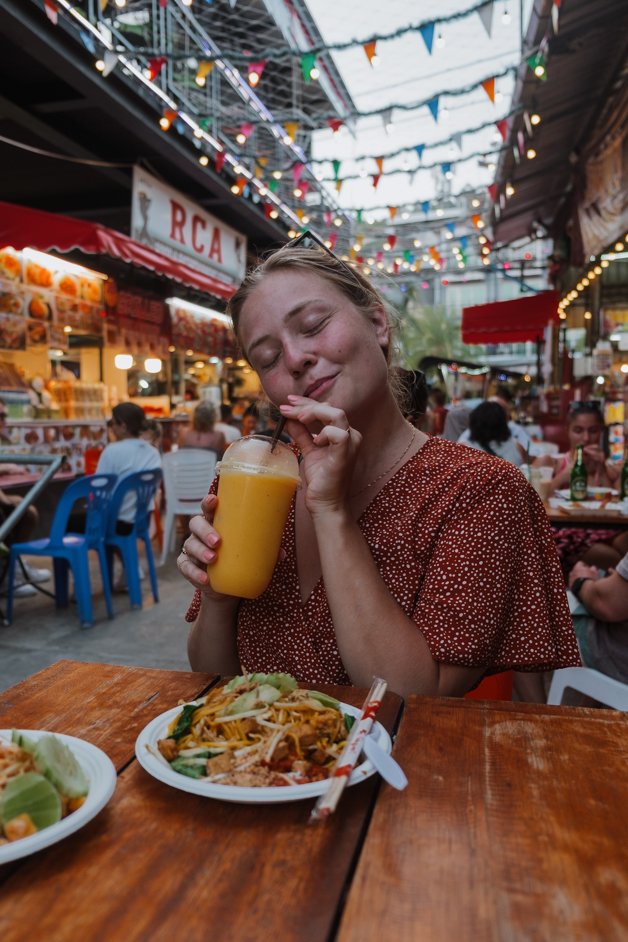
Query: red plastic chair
{"points": [[493, 687]]}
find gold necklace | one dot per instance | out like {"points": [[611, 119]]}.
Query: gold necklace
{"points": [[388, 470]]}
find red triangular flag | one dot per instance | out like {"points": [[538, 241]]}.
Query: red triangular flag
{"points": [[502, 127], [392, 240], [52, 11], [489, 88], [220, 159], [375, 179], [492, 191], [335, 124]]}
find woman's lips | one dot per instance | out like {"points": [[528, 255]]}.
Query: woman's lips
{"points": [[318, 388]]}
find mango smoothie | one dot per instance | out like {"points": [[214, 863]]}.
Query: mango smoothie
{"points": [[253, 505]]}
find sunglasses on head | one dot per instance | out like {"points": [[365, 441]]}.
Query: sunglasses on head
{"points": [[308, 240]]}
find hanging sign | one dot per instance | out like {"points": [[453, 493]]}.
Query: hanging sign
{"points": [[170, 222]]}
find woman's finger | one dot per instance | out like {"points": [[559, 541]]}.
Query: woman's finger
{"points": [[310, 412]]}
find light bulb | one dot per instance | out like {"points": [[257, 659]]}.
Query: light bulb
{"points": [[535, 119], [152, 365], [203, 160], [123, 361], [530, 153], [314, 73]]}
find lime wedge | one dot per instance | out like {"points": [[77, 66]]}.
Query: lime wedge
{"points": [[34, 795], [57, 763]]}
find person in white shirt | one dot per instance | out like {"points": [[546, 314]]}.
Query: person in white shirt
{"points": [[127, 454], [518, 433], [231, 433], [489, 431]]}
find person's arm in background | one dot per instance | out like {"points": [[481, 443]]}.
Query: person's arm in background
{"points": [[604, 597]]}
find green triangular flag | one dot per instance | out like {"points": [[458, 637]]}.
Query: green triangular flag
{"points": [[336, 165], [307, 64], [272, 186], [358, 216]]}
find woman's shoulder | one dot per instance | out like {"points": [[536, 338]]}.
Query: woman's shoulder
{"points": [[466, 467]]}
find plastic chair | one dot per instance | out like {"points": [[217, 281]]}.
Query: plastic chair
{"points": [[71, 550], [144, 485], [188, 473], [601, 687]]}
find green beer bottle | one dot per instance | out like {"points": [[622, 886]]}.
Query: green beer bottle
{"points": [[623, 486], [578, 479]]}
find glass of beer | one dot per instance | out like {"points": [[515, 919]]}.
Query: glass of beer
{"points": [[257, 481]]}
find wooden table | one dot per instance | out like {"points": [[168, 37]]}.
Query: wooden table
{"points": [[608, 518], [513, 828]]}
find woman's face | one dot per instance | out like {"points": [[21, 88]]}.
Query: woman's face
{"points": [[584, 429], [304, 337], [248, 425]]}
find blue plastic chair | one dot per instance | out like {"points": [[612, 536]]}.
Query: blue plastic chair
{"points": [[143, 484], [71, 550]]}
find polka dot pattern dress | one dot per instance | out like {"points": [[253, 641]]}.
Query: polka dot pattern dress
{"points": [[465, 548]]}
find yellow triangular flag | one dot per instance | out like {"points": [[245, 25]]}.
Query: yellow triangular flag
{"points": [[291, 128], [339, 185]]}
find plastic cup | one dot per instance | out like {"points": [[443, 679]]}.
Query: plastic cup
{"points": [[255, 490]]}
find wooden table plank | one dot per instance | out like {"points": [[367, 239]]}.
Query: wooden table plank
{"points": [[161, 864], [106, 704], [513, 828]]}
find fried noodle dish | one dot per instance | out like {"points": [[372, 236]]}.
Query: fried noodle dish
{"points": [[258, 730]]}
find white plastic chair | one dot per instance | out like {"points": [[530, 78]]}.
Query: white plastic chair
{"points": [[605, 689], [188, 473], [545, 448]]}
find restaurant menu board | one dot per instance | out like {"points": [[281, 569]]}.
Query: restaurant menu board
{"points": [[201, 334], [71, 439], [34, 297]]}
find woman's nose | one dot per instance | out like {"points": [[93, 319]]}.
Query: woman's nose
{"points": [[297, 358]]}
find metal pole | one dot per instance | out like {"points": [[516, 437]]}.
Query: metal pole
{"points": [[54, 462]]}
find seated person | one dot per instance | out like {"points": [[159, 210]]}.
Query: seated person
{"points": [[203, 434], [604, 642], [504, 398], [489, 431]]}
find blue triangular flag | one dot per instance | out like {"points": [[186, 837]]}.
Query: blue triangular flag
{"points": [[427, 32], [446, 168], [88, 41], [425, 206], [419, 149], [432, 104], [452, 227], [463, 242]]}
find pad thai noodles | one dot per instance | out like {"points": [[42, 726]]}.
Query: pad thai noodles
{"points": [[258, 730]]}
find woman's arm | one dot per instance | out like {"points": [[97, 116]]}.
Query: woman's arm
{"points": [[212, 639], [606, 598]]}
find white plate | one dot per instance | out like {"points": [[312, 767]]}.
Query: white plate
{"points": [[592, 492], [101, 774], [154, 763]]}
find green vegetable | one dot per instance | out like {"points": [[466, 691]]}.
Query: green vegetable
{"points": [[267, 693], [189, 767], [34, 795], [60, 766], [325, 699], [243, 704], [349, 721], [23, 741], [285, 683], [184, 720]]}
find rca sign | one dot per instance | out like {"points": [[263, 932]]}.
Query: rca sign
{"points": [[169, 222]]}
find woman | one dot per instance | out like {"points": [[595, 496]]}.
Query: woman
{"points": [[597, 547], [489, 432], [202, 434], [404, 556]]}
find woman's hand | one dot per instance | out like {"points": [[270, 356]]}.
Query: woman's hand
{"points": [[329, 447], [594, 457], [583, 571], [200, 549]]}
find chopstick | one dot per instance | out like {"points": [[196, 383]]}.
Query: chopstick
{"points": [[343, 767]]}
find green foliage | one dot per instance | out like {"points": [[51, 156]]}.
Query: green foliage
{"points": [[431, 330]]}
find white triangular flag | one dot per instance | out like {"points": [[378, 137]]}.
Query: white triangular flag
{"points": [[486, 15], [457, 139], [387, 119], [232, 4], [111, 60]]}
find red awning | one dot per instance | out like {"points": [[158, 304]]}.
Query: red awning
{"points": [[22, 228], [510, 321]]}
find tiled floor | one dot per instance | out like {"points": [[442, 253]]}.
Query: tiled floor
{"points": [[154, 636]]}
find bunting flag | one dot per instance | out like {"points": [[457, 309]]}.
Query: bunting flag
{"points": [[308, 62], [380, 164], [451, 226], [52, 11], [392, 212], [352, 253], [203, 70], [297, 173], [463, 242], [358, 216], [492, 191], [369, 49], [246, 129], [332, 238], [258, 172], [395, 266], [434, 253], [291, 129], [327, 217], [457, 139], [425, 206], [486, 15], [419, 150], [273, 186], [475, 219], [220, 160], [335, 124], [375, 179], [379, 256], [155, 66], [502, 127], [359, 241], [408, 256], [254, 71], [110, 59], [103, 5], [555, 15], [232, 4], [489, 87], [446, 168], [304, 186], [427, 32], [336, 165], [432, 104], [387, 119], [88, 41], [163, 4], [392, 240], [268, 208], [262, 161], [299, 213], [339, 185]]}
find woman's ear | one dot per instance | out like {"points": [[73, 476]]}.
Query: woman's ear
{"points": [[380, 321]]}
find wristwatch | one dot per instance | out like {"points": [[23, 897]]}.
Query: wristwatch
{"points": [[577, 584]]}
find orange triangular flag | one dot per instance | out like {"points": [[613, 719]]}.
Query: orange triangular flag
{"points": [[258, 173], [489, 88], [434, 252], [359, 241], [392, 212], [291, 128], [339, 185], [369, 49], [380, 164], [352, 253], [475, 220], [262, 161], [300, 213]]}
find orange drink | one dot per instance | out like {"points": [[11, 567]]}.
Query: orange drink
{"points": [[255, 490]]}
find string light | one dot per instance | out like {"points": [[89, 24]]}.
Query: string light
{"points": [[510, 190], [588, 315], [619, 246], [99, 64], [203, 160], [530, 153], [535, 119]]}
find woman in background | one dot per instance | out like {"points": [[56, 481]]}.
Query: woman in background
{"points": [[202, 434], [488, 427]]}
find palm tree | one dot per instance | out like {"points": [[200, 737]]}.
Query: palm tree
{"points": [[431, 330]]}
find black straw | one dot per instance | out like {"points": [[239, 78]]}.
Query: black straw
{"points": [[278, 430]]}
